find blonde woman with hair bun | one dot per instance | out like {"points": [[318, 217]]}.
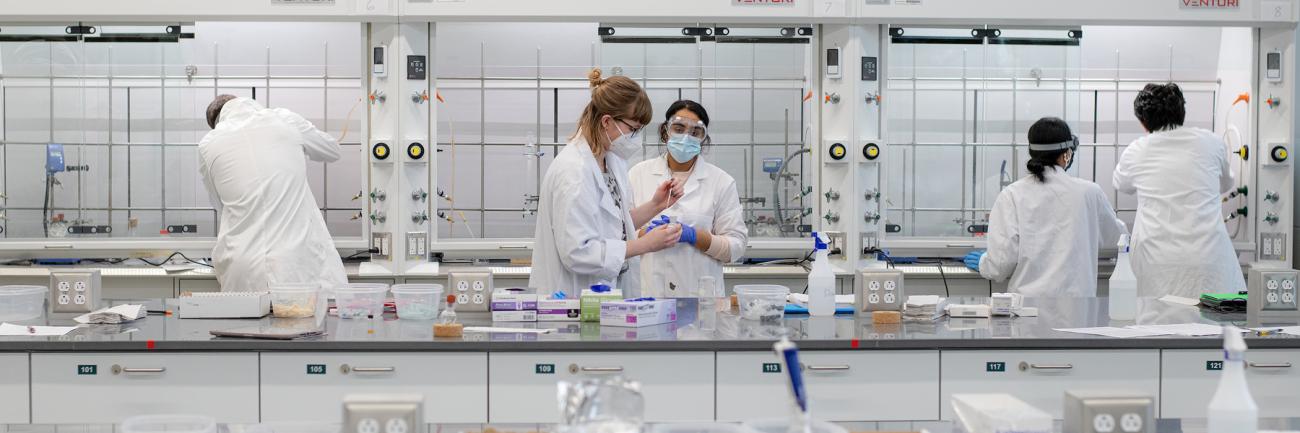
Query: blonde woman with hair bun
{"points": [[586, 221]]}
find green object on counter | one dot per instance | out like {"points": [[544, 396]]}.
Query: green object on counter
{"points": [[1225, 302], [590, 302]]}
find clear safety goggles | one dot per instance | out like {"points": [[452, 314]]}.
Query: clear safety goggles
{"points": [[683, 126]]}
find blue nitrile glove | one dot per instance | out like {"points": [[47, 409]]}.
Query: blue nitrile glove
{"points": [[973, 259], [657, 222], [688, 235]]}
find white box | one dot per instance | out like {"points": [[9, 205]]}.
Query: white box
{"points": [[513, 300], [515, 316], [635, 313], [558, 310], [224, 305]]}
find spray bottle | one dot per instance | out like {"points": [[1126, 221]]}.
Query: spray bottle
{"points": [[1233, 410], [1123, 286], [821, 281]]}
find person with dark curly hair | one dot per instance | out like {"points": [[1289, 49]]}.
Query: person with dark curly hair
{"points": [[1180, 245]]}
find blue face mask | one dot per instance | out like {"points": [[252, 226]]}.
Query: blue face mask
{"points": [[683, 147]]}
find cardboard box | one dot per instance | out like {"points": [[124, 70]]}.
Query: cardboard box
{"points": [[637, 313], [591, 301], [558, 310], [515, 316], [513, 300]]}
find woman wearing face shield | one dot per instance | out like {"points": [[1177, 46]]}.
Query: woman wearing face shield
{"points": [[586, 223], [713, 228], [1045, 230]]}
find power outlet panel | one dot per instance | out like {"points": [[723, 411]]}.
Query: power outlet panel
{"points": [[1108, 412], [1272, 294], [879, 290], [382, 413], [75, 292], [1272, 247], [383, 242], [473, 290], [417, 246]]}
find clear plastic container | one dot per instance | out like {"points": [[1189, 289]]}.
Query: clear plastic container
{"points": [[293, 301], [169, 424], [783, 426], [417, 301], [360, 300], [762, 302], [713, 427], [22, 302]]}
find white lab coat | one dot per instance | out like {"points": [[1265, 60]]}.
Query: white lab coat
{"points": [[254, 165], [1045, 236], [579, 239], [1180, 245], [710, 203]]}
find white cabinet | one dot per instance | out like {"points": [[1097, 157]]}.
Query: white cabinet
{"points": [[301, 387], [98, 388], [1190, 377], [1041, 377], [842, 385], [677, 386], [14, 390]]}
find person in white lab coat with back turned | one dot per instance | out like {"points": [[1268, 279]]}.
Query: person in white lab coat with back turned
{"points": [[586, 223], [713, 225], [1180, 244], [254, 164], [1045, 230]]}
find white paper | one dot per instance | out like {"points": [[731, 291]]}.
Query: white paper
{"points": [[10, 330], [493, 329], [802, 299], [1183, 329], [1107, 331], [113, 315], [1179, 300]]}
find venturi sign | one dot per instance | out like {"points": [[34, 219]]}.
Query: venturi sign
{"points": [[1210, 4]]}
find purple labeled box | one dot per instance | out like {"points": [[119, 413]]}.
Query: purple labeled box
{"points": [[513, 300], [634, 313]]}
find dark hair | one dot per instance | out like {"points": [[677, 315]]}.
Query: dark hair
{"points": [[682, 104], [1160, 107], [1048, 130], [214, 109]]}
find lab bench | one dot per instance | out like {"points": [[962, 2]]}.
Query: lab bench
{"points": [[856, 371]]}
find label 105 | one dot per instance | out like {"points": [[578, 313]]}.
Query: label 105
{"points": [[315, 368]]}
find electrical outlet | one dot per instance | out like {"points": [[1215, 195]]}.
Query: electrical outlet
{"points": [[1108, 412], [416, 246], [879, 290], [382, 242], [1272, 246], [471, 289], [75, 291], [383, 413], [1272, 294]]}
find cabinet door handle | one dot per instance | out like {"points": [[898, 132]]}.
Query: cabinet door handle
{"points": [[601, 369], [117, 369], [828, 368], [1026, 366], [350, 369], [1268, 365]]}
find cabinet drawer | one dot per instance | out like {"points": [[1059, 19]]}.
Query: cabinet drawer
{"points": [[14, 390], [220, 385], [842, 386], [677, 386], [1189, 381], [1041, 378], [301, 387]]}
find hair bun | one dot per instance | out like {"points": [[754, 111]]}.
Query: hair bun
{"points": [[593, 78]]}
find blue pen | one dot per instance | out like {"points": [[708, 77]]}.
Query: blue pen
{"points": [[789, 354]]}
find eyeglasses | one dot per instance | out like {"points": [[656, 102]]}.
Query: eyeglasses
{"points": [[683, 126], [636, 130]]}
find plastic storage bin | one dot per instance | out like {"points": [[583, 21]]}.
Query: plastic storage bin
{"points": [[358, 300], [22, 302], [762, 302], [169, 424], [294, 301], [783, 426], [417, 301]]}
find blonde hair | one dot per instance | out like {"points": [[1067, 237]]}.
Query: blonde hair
{"points": [[618, 97]]}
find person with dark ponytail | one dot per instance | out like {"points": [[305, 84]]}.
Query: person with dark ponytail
{"points": [[1046, 229], [1180, 244]]}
